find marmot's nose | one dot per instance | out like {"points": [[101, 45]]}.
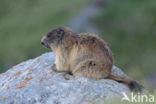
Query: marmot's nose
{"points": [[42, 43]]}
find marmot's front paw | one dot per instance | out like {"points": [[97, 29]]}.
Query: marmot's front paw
{"points": [[54, 68], [68, 76]]}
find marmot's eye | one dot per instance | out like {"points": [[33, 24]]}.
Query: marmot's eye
{"points": [[49, 35], [58, 36]]}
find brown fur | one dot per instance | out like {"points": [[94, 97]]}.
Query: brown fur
{"points": [[83, 54]]}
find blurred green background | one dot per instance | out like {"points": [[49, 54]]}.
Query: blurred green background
{"points": [[24, 22], [129, 27]]}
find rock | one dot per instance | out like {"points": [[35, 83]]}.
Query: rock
{"points": [[34, 82]]}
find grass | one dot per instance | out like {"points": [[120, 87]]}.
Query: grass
{"points": [[129, 28], [24, 22]]}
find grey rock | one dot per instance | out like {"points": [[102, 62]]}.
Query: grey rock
{"points": [[34, 82]]}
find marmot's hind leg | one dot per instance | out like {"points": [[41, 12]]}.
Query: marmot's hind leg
{"points": [[91, 69]]}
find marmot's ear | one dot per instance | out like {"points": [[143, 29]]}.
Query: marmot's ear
{"points": [[60, 31]]}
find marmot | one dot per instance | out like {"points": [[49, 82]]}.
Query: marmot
{"points": [[83, 54]]}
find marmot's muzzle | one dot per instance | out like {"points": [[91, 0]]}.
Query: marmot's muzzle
{"points": [[45, 45]]}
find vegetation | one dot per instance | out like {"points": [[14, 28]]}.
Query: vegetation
{"points": [[24, 22], [129, 26]]}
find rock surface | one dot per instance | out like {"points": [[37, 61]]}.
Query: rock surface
{"points": [[34, 82]]}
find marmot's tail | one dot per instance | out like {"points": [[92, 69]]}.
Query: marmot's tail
{"points": [[132, 84]]}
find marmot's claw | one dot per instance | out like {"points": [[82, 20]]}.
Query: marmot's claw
{"points": [[54, 68], [67, 76]]}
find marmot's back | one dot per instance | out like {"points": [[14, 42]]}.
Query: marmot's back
{"points": [[92, 55], [92, 46]]}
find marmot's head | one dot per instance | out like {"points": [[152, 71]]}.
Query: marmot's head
{"points": [[55, 37]]}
